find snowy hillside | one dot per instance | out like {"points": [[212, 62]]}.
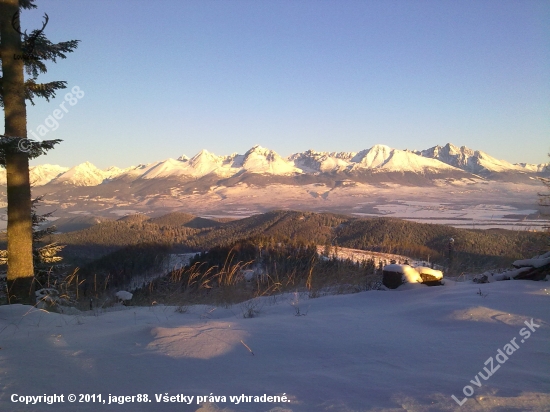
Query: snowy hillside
{"points": [[534, 168], [166, 168], [402, 350], [114, 172], [359, 256], [473, 161], [42, 174], [311, 161], [256, 160], [382, 157], [265, 161], [203, 163], [85, 174], [39, 175]]}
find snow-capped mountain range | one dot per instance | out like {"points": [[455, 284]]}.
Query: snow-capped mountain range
{"points": [[261, 161], [475, 161]]}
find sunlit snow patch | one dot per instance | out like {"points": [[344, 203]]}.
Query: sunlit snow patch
{"points": [[199, 342]]}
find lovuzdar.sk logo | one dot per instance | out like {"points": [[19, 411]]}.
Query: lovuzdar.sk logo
{"points": [[29, 41]]}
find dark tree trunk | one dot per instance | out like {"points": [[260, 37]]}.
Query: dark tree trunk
{"points": [[20, 262]]}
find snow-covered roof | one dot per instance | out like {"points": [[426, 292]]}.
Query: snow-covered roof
{"points": [[534, 262], [410, 273], [123, 295], [429, 271]]}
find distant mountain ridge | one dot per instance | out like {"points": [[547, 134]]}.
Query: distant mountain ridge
{"points": [[473, 161], [447, 159]]}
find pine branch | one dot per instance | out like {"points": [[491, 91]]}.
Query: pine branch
{"points": [[37, 49], [48, 253], [37, 219], [10, 144], [33, 89], [3, 257], [27, 4], [45, 90]]}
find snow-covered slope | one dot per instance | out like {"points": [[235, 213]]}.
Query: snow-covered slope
{"points": [[138, 171], [381, 157], [39, 175], [265, 161], [113, 172], [204, 163], [256, 160], [311, 161], [402, 350], [85, 174], [534, 168], [42, 174], [473, 161], [167, 168]]}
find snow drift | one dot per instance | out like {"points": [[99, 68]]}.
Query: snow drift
{"points": [[365, 352]]}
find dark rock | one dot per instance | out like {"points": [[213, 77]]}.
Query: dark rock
{"points": [[392, 280], [534, 273], [481, 279]]}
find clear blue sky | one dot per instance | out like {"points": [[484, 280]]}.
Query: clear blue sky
{"points": [[164, 78]]}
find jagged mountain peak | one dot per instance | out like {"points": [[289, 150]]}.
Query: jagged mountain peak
{"points": [[473, 161], [312, 161], [43, 174], [452, 149], [261, 151], [84, 174], [166, 169], [384, 158], [266, 161], [85, 165], [203, 152], [380, 148], [113, 172], [534, 168], [203, 156]]}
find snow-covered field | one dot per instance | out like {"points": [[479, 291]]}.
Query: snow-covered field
{"points": [[359, 256], [477, 205], [478, 216], [410, 349]]}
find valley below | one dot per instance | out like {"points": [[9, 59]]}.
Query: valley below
{"points": [[461, 203]]}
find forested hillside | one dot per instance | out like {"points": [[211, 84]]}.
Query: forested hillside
{"points": [[179, 219], [189, 233]]}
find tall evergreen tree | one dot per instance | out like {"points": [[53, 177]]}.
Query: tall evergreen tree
{"points": [[45, 256], [544, 198], [21, 53]]}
